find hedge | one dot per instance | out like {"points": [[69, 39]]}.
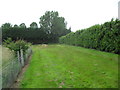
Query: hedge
{"points": [[37, 36], [104, 37]]}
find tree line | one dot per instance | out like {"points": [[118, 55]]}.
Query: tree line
{"points": [[104, 37], [52, 26]]}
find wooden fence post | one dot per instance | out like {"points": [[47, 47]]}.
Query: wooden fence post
{"points": [[18, 56], [22, 58]]}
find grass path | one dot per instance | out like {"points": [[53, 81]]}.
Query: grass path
{"points": [[62, 66]]}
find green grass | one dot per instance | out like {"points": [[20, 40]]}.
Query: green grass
{"points": [[63, 66], [7, 55]]}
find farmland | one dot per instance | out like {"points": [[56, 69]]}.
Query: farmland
{"points": [[63, 66], [54, 56], [7, 55]]}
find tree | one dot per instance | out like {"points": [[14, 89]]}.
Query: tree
{"points": [[6, 26], [33, 25], [52, 23], [16, 26], [22, 25]]}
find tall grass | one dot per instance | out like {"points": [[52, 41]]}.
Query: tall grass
{"points": [[7, 55]]}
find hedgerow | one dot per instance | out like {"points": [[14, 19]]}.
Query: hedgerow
{"points": [[35, 36], [104, 37]]}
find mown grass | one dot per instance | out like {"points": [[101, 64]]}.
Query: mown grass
{"points": [[63, 66]]}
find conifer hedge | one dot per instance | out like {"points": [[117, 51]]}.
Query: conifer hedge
{"points": [[104, 37], [37, 36]]}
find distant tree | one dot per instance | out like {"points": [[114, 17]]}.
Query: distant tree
{"points": [[22, 25], [68, 30], [16, 26], [52, 23], [6, 26], [33, 25]]}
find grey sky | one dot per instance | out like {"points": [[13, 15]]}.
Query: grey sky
{"points": [[79, 14]]}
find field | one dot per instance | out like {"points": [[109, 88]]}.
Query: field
{"points": [[63, 66], [7, 55]]}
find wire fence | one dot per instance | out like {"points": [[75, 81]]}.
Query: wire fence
{"points": [[0, 58], [12, 68]]}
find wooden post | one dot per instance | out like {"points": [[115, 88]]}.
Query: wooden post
{"points": [[22, 58], [18, 56]]}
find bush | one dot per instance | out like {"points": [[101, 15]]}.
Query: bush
{"points": [[105, 37], [35, 36], [17, 45]]}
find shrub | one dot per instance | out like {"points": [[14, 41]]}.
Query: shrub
{"points": [[105, 37], [17, 45]]}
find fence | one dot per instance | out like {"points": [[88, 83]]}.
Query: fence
{"points": [[11, 69], [0, 67]]}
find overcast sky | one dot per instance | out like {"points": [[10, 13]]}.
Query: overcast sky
{"points": [[79, 14]]}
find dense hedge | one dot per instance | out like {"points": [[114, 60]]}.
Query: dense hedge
{"points": [[105, 37], [35, 36]]}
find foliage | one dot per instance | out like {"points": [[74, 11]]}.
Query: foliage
{"points": [[52, 23], [33, 25], [6, 26], [21, 44], [22, 25], [17, 45], [105, 37], [16, 26], [55, 66], [34, 36]]}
